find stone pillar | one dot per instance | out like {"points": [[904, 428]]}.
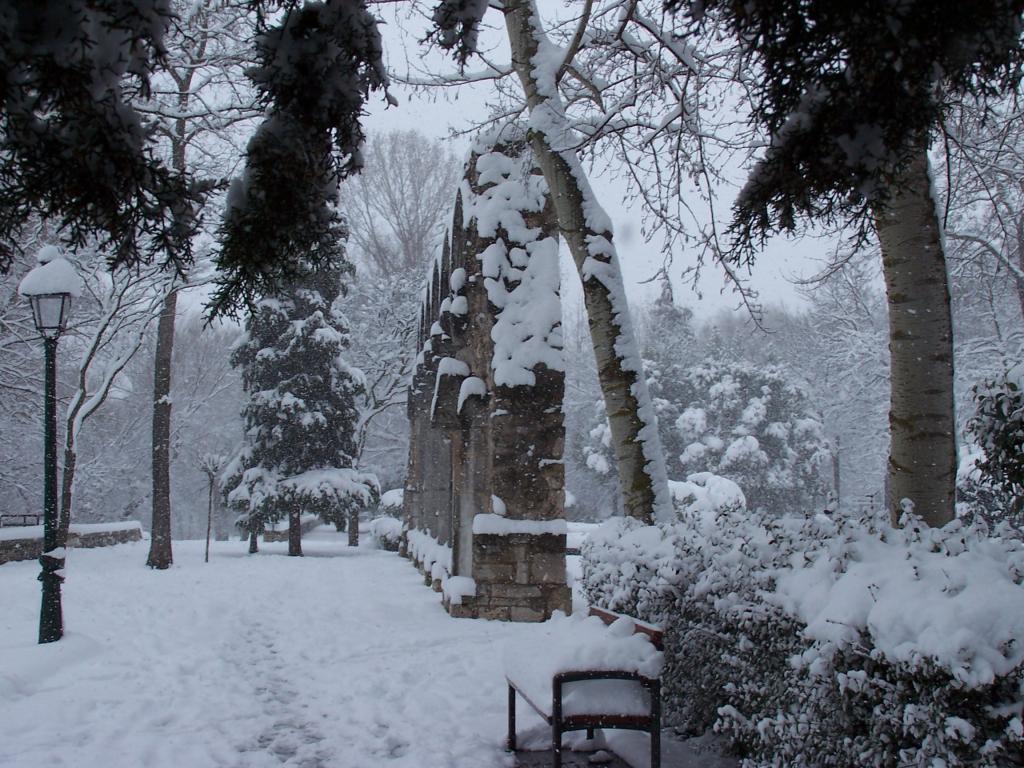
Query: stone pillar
{"points": [[518, 556], [485, 470]]}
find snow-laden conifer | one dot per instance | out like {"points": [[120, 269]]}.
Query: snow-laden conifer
{"points": [[302, 415]]}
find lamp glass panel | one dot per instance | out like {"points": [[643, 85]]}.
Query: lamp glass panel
{"points": [[50, 312]]}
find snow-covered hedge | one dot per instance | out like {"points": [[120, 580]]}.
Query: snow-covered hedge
{"points": [[820, 642], [432, 557], [386, 532]]}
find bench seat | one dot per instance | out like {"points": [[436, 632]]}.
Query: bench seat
{"points": [[587, 672]]}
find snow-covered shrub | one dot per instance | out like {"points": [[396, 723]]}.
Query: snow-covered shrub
{"points": [[386, 533], [432, 557], [996, 486], [742, 421], [819, 642], [701, 579], [391, 502], [706, 494], [746, 422], [978, 498]]}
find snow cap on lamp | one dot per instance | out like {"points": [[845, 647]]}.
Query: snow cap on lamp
{"points": [[55, 274]]}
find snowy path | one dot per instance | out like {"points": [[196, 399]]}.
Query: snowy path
{"points": [[340, 659]]}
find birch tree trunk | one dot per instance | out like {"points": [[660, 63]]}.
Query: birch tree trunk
{"points": [[922, 456], [587, 231]]}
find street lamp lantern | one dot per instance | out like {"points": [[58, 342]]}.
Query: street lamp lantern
{"points": [[49, 287], [50, 312]]}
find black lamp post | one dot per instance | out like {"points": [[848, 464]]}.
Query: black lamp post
{"points": [[49, 288]]}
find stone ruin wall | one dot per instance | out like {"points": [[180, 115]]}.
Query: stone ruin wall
{"points": [[484, 496]]}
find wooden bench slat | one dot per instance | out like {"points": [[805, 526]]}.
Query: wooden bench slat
{"points": [[654, 633]]}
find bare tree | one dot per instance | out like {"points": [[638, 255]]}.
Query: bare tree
{"points": [[396, 209], [126, 304], [984, 180], [397, 204], [198, 100]]}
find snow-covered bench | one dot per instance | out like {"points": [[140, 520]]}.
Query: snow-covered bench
{"points": [[587, 672]]}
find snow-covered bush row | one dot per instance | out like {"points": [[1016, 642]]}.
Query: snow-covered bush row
{"points": [[432, 557], [819, 642], [386, 532]]}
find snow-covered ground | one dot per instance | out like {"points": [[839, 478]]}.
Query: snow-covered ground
{"points": [[341, 658]]}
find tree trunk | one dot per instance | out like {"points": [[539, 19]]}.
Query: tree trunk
{"points": [[587, 231], [353, 528], [836, 473], [209, 518], [1020, 260], [160, 555], [294, 533], [922, 455], [254, 542], [67, 483]]}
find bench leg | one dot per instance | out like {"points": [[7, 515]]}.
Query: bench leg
{"points": [[556, 722], [656, 725], [511, 742]]}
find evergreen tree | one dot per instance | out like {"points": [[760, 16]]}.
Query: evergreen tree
{"points": [[750, 424], [302, 415], [849, 102], [74, 149], [669, 338]]}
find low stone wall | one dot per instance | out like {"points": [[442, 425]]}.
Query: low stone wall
{"points": [[519, 577], [27, 543]]}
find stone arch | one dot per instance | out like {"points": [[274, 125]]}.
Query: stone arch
{"points": [[484, 499]]}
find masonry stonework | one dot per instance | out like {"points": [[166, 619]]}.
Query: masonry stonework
{"points": [[484, 496]]}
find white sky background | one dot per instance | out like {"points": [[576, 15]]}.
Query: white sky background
{"points": [[441, 112]]}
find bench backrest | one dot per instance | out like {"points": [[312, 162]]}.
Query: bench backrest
{"points": [[654, 633]]}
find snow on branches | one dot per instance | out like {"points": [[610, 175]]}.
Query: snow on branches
{"points": [[316, 69], [74, 148]]}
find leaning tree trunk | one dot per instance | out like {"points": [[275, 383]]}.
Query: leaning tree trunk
{"points": [[66, 493], [160, 555], [294, 533], [587, 231], [922, 456]]}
